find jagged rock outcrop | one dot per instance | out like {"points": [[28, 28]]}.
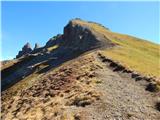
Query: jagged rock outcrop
{"points": [[72, 77], [36, 46], [36, 49], [78, 38], [55, 40], [25, 50]]}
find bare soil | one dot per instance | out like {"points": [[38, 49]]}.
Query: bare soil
{"points": [[85, 88]]}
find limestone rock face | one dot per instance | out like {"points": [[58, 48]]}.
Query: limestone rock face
{"points": [[25, 50]]}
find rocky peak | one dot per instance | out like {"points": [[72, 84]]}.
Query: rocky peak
{"points": [[26, 49], [55, 40], [79, 35], [36, 46]]}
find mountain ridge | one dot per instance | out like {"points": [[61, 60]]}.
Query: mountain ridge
{"points": [[72, 75]]}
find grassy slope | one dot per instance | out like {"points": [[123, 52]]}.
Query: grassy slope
{"points": [[136, 54]]}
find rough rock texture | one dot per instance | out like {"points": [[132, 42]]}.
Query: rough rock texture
{"points": [[56, 40], [25, 50], [82, 38], [36, 46]]}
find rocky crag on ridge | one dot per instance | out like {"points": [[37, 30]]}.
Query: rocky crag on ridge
{"points": [[70, 78]]}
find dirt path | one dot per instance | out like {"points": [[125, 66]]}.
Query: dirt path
{"points": [[124, 98], [85, 88]]}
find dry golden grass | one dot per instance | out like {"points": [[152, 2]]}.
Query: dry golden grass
{"points": [[52, 48], [8, 64], [139, 55], [134, 53]]}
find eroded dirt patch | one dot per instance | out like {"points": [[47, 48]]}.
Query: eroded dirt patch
{"points": [[54, 96]]}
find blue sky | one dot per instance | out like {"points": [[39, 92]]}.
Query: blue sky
{"points": [[38, 21]]}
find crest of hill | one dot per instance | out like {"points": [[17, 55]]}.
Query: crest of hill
{"points": [[134, 53], [80, 36], [75, 41]]}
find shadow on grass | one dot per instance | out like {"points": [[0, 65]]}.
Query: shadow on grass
{"points": [[22, 69]]}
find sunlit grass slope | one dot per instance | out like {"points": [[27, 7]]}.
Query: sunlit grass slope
{"points": [[136, 54]]}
